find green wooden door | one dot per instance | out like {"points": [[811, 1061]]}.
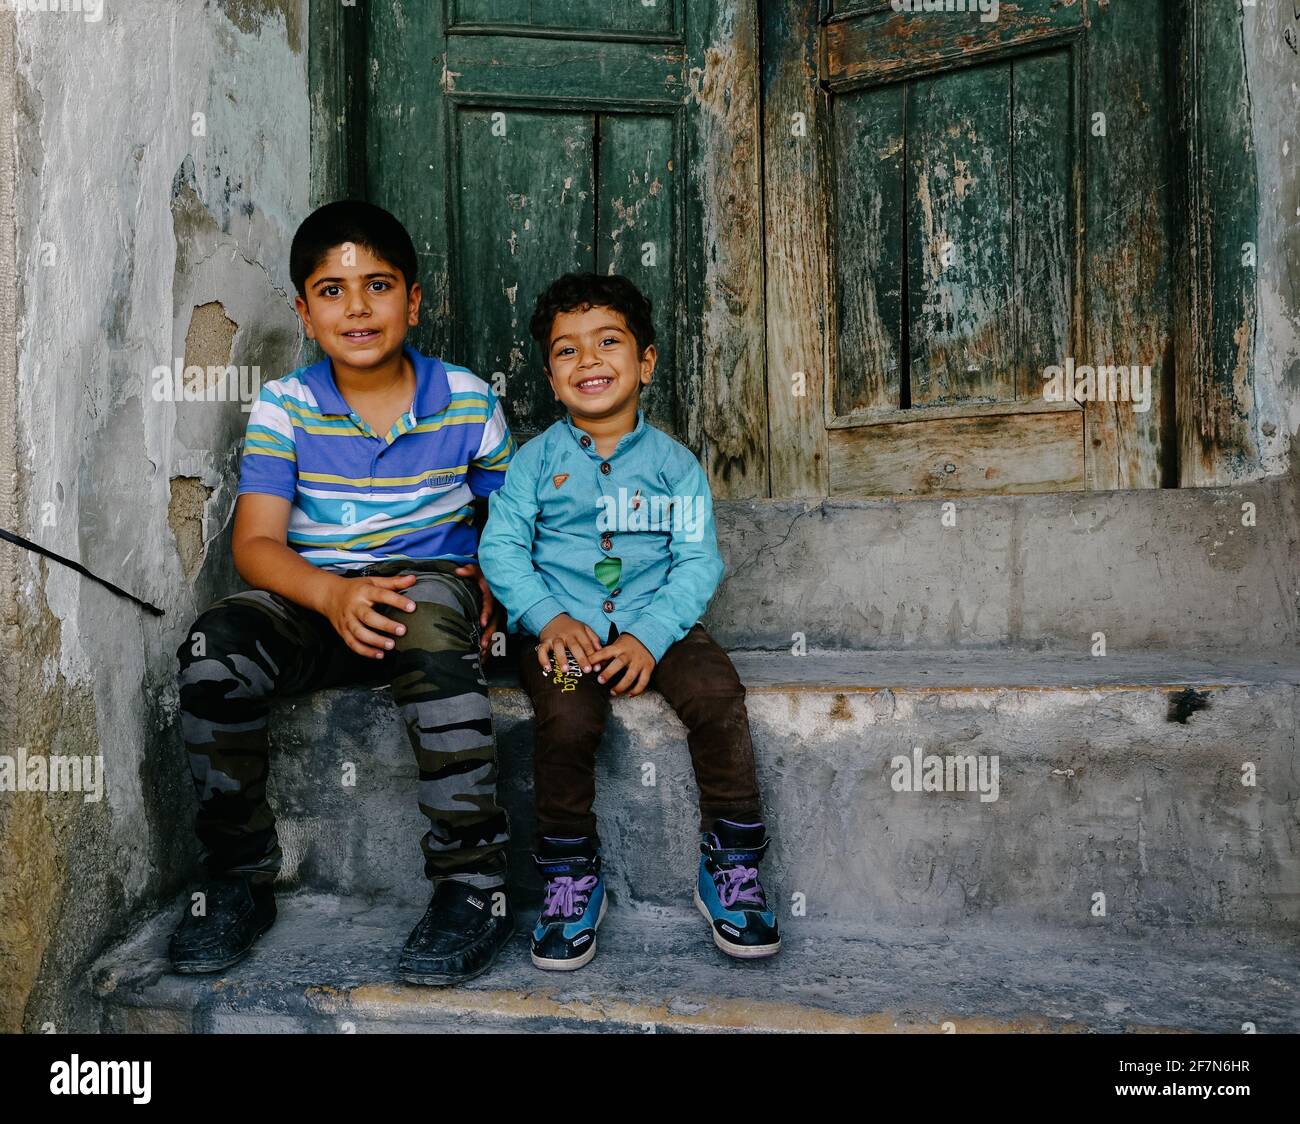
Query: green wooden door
{"points": [[990, 198], [520, 139]]}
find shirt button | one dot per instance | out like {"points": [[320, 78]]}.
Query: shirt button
{"points": [[608, 606], [585, 441], [604, 467], [616, 592], [606, 543]]}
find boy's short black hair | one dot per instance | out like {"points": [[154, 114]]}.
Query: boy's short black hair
{"points": [[351, 220], [575, 292]]}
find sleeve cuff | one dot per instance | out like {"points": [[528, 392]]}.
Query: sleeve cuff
{"points": [[654, 636], [541, 614]]}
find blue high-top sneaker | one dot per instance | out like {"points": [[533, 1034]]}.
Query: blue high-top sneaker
{"points": [[565, 935], [729, 893]]}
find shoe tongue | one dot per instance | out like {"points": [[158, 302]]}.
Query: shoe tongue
{"points": [[741, 836], [554, 847]]}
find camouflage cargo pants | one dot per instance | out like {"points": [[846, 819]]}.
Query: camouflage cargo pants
{"points": [[252, 646]]}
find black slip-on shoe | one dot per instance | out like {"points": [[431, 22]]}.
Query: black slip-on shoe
{"points": [[458, 937], [235, 913]]}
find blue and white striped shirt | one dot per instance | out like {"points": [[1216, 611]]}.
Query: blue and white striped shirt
{"points": [[360, 498]]}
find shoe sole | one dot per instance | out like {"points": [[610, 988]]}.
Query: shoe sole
{"points": [[739, 951], [433, 979], [550, 965], [206, 967]]}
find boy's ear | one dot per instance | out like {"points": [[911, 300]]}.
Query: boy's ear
{"points": [[304, 314], [414, 296], [648, 358]]}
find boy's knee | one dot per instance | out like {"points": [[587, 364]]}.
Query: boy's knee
{"points": [[223, 640], [441, 621]]}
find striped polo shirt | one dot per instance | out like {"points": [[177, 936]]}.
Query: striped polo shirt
{"points": [[359, 497]]}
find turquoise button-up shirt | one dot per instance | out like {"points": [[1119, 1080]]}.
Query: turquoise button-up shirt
{"points": [[628, 539]]}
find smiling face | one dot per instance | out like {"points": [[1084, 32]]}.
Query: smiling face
{"points": [[357, 307], [593, 363]]}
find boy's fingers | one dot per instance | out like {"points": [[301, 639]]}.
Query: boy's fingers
{"points": [[360, 649], [402, 581], [611, 670], [382, 623], [374, 639], [579, 651], [489, 605], [396, 600], [543, 657]]}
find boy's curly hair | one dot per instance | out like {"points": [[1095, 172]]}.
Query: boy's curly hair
{"points": [[576, 292]]}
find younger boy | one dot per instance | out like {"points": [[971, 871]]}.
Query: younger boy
{"points": [[355, 527], [601, 545]]}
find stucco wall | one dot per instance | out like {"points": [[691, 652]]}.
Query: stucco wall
{"points": [[145, 235]]}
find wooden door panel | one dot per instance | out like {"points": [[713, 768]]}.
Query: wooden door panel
{"points": [[866, 128], [875, 43], [1043, 216], [638, 201], [585, 15], [584, 72], [958, 209], [525, 212]]}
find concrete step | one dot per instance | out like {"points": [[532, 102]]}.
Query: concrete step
{"points": [[329, 966], [1169, 568], [1120, 776]]}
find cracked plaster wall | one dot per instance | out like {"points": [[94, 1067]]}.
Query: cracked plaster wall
{"points": [[144, 240]]}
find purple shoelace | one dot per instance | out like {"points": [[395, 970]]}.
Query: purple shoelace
{"points": [[738, 884], [563, 894]]}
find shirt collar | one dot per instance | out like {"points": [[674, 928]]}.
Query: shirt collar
{"points": [[624, 443], [432, 389]]}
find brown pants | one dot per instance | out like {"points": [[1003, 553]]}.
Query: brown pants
{"points": [[697, 680]]}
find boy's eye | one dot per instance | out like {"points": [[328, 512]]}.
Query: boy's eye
{"points": [[565, 351], [330, 291], [609, 339], [379, 286]]}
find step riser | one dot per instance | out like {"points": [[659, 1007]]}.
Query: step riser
{"points": [[1171, 568], [1099, 792]]}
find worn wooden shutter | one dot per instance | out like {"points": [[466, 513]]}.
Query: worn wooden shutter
{"points": [[977, 223]]}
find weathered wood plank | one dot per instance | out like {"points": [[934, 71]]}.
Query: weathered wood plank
{"points": [[1127, 267], [1008, 453], [637, 188], [583, 15], [867, 248], [794, 174], [1215, 333], [406, 147], [725, 402], [335, 55], [1044, 254], [884, 44], [581, 73], [525, 213], [959, 237]]}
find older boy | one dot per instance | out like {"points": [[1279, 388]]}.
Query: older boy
{"points": [[356, 528]]}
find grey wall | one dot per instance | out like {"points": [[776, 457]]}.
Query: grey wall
{"points": [[138, 242]]}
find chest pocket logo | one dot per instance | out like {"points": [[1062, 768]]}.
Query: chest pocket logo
{"points": [[559, 479]]}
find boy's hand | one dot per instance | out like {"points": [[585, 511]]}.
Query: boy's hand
{"points": [[489, 621], [627, 657], [564, 633], [350, 608]]}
